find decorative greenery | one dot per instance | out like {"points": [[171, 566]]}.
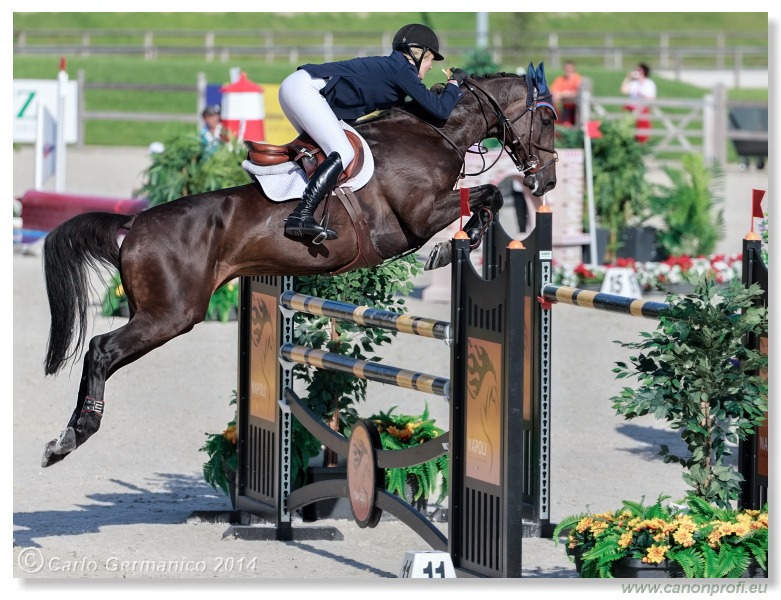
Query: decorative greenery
{"points": [[692, 223], [621, 192], [589, 274], [696, 373], [399, 431], [224, 303], [186, 167], [332, 395], [764, 231], [479, 62], [220, 469], [114, 300], [697, 538], [569, 137], [655, 276]]}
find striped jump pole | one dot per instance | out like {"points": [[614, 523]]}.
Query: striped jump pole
{"points": [[602, 301], [366, 316], [412, 380]]}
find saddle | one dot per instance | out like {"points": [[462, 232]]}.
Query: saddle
{"points": [[305, 151]]}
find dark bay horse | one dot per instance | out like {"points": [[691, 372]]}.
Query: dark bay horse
{"points": [[175, 255]]}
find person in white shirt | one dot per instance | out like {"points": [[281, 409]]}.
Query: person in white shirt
{"points": [[640, 88]]}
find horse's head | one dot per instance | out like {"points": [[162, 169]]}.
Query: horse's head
{"points": [[523, 120]]}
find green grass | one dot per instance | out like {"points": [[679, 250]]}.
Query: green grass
{"points": [[541, 22], [532, 27]]}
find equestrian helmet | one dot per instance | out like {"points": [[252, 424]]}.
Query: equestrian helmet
{"points": [[417, 36]]}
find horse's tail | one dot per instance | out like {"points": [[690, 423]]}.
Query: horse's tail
{"points": [[70, 252]]}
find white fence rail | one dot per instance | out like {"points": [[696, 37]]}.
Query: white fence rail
{"points": [[612, 50], [678, 126], [681, 126]]}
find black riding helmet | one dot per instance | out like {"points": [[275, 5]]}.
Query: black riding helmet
{"points": [[417, 36]]}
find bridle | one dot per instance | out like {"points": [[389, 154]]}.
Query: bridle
{"points": [[524, 158]]}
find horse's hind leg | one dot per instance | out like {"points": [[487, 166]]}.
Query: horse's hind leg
{"points": [[106, 354]]}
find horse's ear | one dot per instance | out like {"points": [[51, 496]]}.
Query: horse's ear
{"points": [[539, 80], [531, 77]]}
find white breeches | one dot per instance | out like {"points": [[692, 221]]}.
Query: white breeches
{"points": [[308, 111]]}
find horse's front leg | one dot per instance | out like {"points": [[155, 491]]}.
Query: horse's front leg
{"points": [[484, 196], [484, 202]]}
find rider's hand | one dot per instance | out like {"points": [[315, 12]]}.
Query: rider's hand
{"points": [[457, 75]]}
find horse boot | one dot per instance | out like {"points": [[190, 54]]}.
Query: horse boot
{"points": [[301, 221]]}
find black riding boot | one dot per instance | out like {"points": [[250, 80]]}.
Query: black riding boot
{"points": [[301, 221]]}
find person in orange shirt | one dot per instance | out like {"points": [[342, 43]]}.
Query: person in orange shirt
{"points": [[565, 90]]}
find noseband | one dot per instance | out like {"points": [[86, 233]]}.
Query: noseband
{"points": [[525, 159]]}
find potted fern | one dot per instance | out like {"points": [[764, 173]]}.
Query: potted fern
{"points": [[689, 208], [219, 470], [331, 395], [696, 373], [694, 539], [416, 483], [183, 168]]}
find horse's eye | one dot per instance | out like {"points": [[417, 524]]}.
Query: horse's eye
{"points": [[547, 122]]}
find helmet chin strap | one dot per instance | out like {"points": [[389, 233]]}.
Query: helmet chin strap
{"points": [[416, 61]]}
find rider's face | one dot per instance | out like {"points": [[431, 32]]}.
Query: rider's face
{"points": [[425, 65]]}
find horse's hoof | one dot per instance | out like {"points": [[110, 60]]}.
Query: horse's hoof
{"points": [[440, 257], [66, 443], [49, 456]]}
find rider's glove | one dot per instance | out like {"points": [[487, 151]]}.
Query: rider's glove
{"points": [[458, 75]]}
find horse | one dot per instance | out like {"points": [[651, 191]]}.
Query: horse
{"points": [[174, 256]]}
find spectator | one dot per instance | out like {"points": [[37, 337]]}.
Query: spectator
{"points": [[212, 133], [565, 89], [641, 89]]}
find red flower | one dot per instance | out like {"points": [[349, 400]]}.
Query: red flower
{"points": [[626, 263], [583, 271]]}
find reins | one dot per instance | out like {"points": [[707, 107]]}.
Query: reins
{"points": [[525, 161]]}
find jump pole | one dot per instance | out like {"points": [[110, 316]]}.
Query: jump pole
{"points": [[499, 443]]}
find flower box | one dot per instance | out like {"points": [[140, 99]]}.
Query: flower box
{"points": [[691, 540], [675, 274]]}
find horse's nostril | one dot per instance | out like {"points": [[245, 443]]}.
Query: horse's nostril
{"points": [[549, 186]]}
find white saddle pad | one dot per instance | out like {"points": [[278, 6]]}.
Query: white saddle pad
{"points": [[288, 180]]}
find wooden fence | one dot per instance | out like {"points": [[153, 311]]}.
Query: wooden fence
{"points": [[678, 126], [681, 126], [678, 50]]}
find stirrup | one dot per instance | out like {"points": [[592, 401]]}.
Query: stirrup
{"points": [[325, 234], [320, 238], [318, 231]]}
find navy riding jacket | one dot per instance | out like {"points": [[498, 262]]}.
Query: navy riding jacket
{"points": [[359, 86]]}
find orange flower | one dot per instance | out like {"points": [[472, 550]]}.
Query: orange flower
{"points": [[684, 538], [655, 554], [230, 434], [584, 524], [402, 435], [598, 527]]}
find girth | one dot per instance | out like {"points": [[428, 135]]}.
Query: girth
{"points": [[305, 152]]}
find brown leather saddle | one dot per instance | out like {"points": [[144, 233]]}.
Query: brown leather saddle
{"points": [[305, 152]]}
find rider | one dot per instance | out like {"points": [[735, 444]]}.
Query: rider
{"points": [[315, 97]]}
